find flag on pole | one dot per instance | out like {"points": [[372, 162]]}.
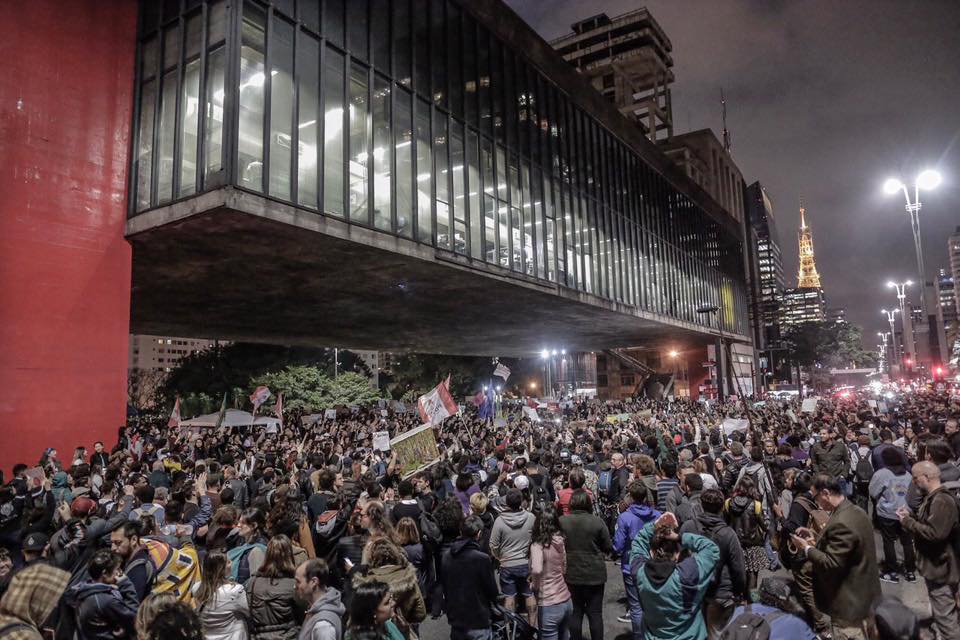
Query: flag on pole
{"points": [[485, 411], [223, 411], [278, 408], [437, 405], [502, 372], [174, 420], [258, 397]]}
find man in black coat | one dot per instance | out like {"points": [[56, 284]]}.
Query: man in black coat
{"points": [[468, 582]]}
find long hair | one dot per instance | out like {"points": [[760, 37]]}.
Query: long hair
{"points": [[363, 610], [214, 576], [746, 487], [407, 532], [546, 526], [379, 523], [278, 560], [384, 553]]}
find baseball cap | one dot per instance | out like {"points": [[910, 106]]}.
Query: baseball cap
{"points": [[35, 542], [521, 482], [82, 507]]}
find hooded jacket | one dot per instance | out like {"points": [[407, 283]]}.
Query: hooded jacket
{"points": [[60, 487], [103, 611], [468, 585], [671, 593], [275, 610], [889, 490], [629, 524], [402, 581], [31, 598], [510, 538], [731, 576], [324, 618]]}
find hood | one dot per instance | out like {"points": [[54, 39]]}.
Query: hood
{"points": [[329, 601], [753, 467], [60, 479], [710, 522], [659, 571], [515, 519], [34, 592], [642, 511], [80, 592], [739, 504], [462, 545]]}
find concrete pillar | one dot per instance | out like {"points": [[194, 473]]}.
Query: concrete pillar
{"points": [[65, 125]]}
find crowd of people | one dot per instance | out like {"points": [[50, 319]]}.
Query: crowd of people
{"points": [[310, 533]]}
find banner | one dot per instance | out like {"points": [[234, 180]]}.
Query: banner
{"points": [[174, 420], [415, 450], [258, 397], [531, 413], [381, 441], [437, 405], [730, 425], [502, 372]]}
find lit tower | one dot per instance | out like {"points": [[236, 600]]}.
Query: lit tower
{"points": [[808, 278]]}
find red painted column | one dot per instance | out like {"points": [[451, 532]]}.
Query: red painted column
{"points": [[66, 95]]}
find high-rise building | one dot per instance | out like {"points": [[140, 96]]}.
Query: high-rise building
{"points": [[807, 278], [945, 287], [162, 353], [953, 253], [769, 260], [705, 161], [627, 59], [805, 303], [837, 314]]}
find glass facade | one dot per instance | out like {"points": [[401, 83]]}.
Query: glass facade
{"points": [[412, 118]]}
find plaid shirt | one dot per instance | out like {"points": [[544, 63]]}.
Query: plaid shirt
{"points": [[31, 597]]}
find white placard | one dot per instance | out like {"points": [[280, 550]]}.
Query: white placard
{"points": [[809, 405], [330, 414], [381, 441], [531, 413], [383, 413], [730, 425]]}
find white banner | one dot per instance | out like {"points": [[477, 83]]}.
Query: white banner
{"points": [[330, 414], [531, 413], [809, 405], [381, 441], [730, 425]]}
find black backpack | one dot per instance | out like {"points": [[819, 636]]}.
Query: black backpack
{"points": [[750, 626], [539, 491], [863, 472], [430, 533]]}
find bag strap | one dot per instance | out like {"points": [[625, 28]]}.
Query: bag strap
{"points": [[13, 626]]}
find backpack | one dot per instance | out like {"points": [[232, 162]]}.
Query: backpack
{"points": [[171, 570], [605, 482], [430, 533], [864, 469], [816, 522], [540, 493], [953, 488], [236, 556], [750, 626]]}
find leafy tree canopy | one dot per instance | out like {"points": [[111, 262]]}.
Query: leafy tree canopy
{"points": [[308, 390], [831, 345]]}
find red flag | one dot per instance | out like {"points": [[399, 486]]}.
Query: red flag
{"points": [[258, 397], [174, 420], [532, 402], [438, 404], [278, 408]]}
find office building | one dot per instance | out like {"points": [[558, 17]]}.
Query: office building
{"points": [[837, 314], [769, 260], [162, 353], [953, 255], [800, 305], [627, 59]]}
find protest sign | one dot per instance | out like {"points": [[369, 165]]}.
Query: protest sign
{"points": [[34, 477], [415, 450], [809, 405], [646, 413], [612, 419], [730, 425], [531, 413], [383, 412], [882, 406], [330, 414], [381, 440]]}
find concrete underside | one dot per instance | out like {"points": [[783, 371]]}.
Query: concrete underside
{"points": [[237, 266]]}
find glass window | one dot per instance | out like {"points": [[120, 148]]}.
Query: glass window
{"points": [[333, 21], [380, 34], [457, 173], [359, 144], [357, 28], [536, 207], [333, 116], [144, 168], [404, 151], [489, 203], [250, 144], [454, 44], [190, 116], [171, 47], [496, 88], [194, 38], [281, 108], [421, 43], [442, 176], [424, 175], [473, 195], [213, 114], [503, 210], [440, 53], [308, 127], [509, 99], [382, 147], [168, 111], [516, 225], [402, 44], [310, 14], [483, 82], [148, 59]]}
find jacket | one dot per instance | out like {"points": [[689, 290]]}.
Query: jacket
{"points": [[588, 545], [746, 517], [103, 611], [468, 585], [628, 526], [510, 538], [671, 593], [889, 491], [689, 508], [758, 473], [275, 610], [933, 529], [833, 460], [402, 581], [730, 581], [846, 580], [784, 626], [324, 618], [224, 617], [30, 599], [948, 473], [547, 566]]}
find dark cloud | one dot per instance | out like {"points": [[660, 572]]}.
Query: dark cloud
{"points": [[825, 100]]}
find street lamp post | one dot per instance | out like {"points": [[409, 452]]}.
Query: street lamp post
{"points": [[892, 318], [883, 337], [927, 180], [905, 316]]}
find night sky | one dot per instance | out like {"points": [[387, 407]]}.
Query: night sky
{"points": [[825, 99]]}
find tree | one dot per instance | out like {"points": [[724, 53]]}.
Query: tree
{"points": [[142, 387], [827, 345], [307, 390]]}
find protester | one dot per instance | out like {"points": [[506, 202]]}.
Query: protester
{"points": [[628, 526], [32, 596], [371, 611], [776, 611], [510, 546], [221, 603], [275, 610], [588, 544], [888, 490], [324, 617], [468, 583], [548, 563]]}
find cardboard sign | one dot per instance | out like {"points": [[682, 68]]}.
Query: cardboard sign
{"points": [[383, 412], [381, 441], [415, 450]]}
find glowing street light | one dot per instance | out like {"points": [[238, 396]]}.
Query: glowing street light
{"points": [[673, 353], [901, 288], [927, 180]]}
